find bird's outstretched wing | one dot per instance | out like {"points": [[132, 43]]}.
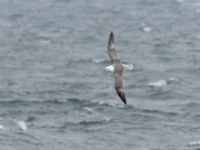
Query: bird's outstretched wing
{"points": [[111, 49], [119, 86]]}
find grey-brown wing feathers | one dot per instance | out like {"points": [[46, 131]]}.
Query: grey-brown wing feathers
{"points": [[119, 86], [111, 49]]}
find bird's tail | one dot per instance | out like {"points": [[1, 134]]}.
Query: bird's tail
{"points": [[111, 42]]}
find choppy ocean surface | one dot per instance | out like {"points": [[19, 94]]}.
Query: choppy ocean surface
{"points": [[55, 94]]}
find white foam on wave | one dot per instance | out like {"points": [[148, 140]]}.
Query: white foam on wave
{"points": [[98, 60], [179, 1], [106, 119], [147, 29], [102, 102], [2, 127], [22, 125], [197, 11], [198, 37], [45, 41], [88, 109], [195, 143], [158, 83]]}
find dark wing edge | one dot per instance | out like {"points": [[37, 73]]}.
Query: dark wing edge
{"points": [[111, 48], [111, 41], [121, 94], [119, 87]]}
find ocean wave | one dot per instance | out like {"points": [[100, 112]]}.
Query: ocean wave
{"points": [[22, 125], [156, 111], [86, 104], [74, 100], [191, 106], [85, 123], [180, 1], [24, 102], [97, 61], [88, 109], [147, 29], [90, 104], [2, 127], [158, 83], [163, 82], [94, 122], [194, 145]]}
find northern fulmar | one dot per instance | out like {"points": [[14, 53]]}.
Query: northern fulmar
{"points": [[117, 68]]}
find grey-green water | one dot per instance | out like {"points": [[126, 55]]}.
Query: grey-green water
{"points": [[55, 94]]}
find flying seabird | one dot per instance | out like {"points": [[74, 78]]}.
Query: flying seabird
{"points": [[117, 68]]}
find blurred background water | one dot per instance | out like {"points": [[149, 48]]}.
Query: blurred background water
{"points": [[55, 94]]}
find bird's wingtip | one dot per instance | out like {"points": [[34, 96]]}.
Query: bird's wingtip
{"points": [[112, 35], [111, 41], [122, 96], [124, 101]]}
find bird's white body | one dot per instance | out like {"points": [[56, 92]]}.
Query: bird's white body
{"points": [[111, 68], [128, 67]]}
